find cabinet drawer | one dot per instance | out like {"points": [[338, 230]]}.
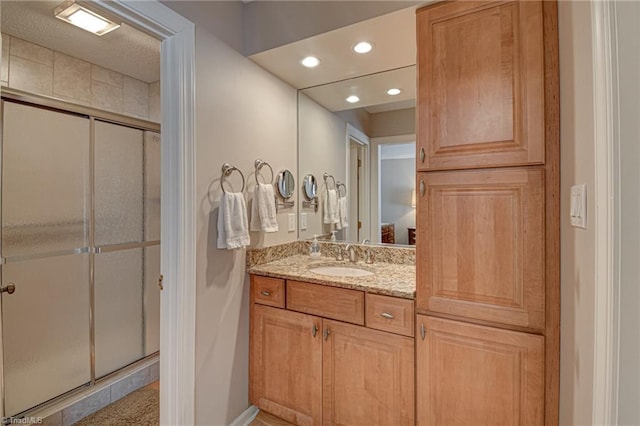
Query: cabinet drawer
{"points": [[267, 291], [390, 314], [328, 302]]}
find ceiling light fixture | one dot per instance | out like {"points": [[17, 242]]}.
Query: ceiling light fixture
{"points": [[363, 47], [352, 99], [393, 92], [80, 16], [310, 62]]}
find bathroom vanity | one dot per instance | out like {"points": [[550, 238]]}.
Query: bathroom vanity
{"points": [[333, 349]]}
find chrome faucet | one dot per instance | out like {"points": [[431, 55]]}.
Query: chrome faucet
{"points": [[351, 250], [340, 255], [367, 252]]}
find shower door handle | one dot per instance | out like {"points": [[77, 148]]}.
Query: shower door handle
{"points": [[9, 288]]}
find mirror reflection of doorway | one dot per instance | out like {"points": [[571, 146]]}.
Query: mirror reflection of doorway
{"points": [[396, 192], [358, 184]]}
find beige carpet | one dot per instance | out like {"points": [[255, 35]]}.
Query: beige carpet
{"points": [[141, 407]]}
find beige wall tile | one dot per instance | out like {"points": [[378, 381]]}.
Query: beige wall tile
{"points": [[104, 75], [106, 96], [32, 52], [155, 112], [4, 70], [71, 78], [135, 97], [30, 76]]}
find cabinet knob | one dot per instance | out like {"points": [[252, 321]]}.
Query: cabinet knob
{"points": [[314, 330], [387, 315], [422, 188], [422, 156], [265, 293], [326, 333], [423, 331]]}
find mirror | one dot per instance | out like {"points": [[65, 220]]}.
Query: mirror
{"points": [[285, 184], [351, 105], [370, 149], [310, 187]]}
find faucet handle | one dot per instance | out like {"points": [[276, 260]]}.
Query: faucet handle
{"points": [[340, 255]]}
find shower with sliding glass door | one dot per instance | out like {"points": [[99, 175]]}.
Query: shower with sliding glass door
{"points": [[80, 248]]}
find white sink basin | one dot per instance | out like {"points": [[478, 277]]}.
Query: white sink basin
{"points": [[341, 271]]}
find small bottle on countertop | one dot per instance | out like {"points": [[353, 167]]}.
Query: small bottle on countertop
{"points": [[314, 250]]}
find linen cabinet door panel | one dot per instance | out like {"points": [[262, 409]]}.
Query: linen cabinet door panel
{"points": [[482, 245], [480, 85], [286, 364], [368, 376], [476, 375]]}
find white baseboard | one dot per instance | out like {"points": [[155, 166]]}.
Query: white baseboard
{"points": [[246, 417]]}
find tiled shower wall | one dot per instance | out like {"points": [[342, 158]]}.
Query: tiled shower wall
{"points": [[36, 69]]}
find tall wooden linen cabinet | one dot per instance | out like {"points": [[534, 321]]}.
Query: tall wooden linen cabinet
{"points": [[488, 304]]}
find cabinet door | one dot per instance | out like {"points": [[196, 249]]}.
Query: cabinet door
{"points": [[481, 245], [368, 376], [480, 85], [286, 364], [475, 375]]}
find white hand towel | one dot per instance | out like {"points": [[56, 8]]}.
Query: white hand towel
{"points": [[343, 212], [330, 206], [233, 227], [263, 209]]}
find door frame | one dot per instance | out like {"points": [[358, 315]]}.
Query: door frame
{"points": [[607, 214], [178, 204]]}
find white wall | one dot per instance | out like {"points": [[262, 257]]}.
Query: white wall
{"points": [[323, 146], [224, 19], [628, 15], [577, 245], [242, 113], [392, 123]]}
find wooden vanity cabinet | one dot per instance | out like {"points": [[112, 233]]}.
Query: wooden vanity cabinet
{"points": [[285, 366], [477, 375], [480, 85], [310, 370], [368, 376]]}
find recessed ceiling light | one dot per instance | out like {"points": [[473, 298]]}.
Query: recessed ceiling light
{"points": [[363, 47], [310, 61], [393, 92], [352, 99], [84, 18]]}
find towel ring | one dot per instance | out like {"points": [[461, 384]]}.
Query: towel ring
{"points": [[258, 165], [227, 169], [342, 185], [326, 176]]}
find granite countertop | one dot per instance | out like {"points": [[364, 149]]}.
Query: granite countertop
{"points": [[388, 278]]}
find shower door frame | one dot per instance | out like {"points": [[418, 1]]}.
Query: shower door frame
{"points": [[177, 320]]}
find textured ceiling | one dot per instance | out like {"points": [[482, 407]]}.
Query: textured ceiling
{"points": [[125, 50]]}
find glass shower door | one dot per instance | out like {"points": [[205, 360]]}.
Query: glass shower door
{"points": [[119, 224], [45, 228]]}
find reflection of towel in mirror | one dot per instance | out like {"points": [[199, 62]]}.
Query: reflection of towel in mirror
{"points": [[342, 213], [330, 206], [233, 227], [263, 209]]}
